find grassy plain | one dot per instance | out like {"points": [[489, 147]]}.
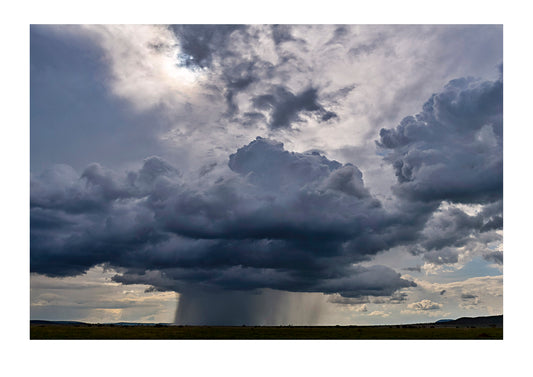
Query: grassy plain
{"points": [[54, 331]]}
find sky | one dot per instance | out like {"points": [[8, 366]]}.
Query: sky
{"points": [[266, 174]]}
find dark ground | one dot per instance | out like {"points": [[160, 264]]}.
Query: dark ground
{"points": [[463, 328]]}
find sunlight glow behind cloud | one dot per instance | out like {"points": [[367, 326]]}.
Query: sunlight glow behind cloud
{"points": [[144, 61]]}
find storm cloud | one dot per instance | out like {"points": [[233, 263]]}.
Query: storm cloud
{"points": [[282, 220], [451, 153], [452, 150]]}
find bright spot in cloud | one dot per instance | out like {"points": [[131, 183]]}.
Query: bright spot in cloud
{"points": [[144, 65]]}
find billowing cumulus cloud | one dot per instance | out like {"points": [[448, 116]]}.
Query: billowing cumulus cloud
{"points": [[452, 150], [280, 220], [425, 305], [452, 153]]}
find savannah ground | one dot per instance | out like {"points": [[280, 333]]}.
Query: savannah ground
{"points": [[86, 331]]}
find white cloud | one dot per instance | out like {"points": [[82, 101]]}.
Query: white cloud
{"points": [[362, 308], [425, 305], [473, 296]]}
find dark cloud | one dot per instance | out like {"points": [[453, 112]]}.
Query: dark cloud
{"points": [[494, 223], [339, 34], [238, 76], [236, 68], [206, 169], [285, 221], [469, 300], [413, 269], [335, 96], [200, 42], [210, 47], [450, 228], [282, 33], [336, 299], [250, 119], [395, 298], [452, 150], [443, 256], [285, 106], [349, 180], [268, 165], [494, 256], [398, 298]]}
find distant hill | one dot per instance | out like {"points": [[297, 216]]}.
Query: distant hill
{"points": [[42, 322], [489, 321]]}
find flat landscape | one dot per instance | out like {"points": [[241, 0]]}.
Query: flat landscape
{"points": [[463, 328]]}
